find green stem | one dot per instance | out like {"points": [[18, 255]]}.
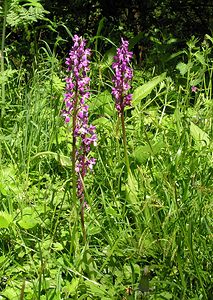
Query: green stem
{"points": [[82, 220], [125, 141], [2, 62], [74, 181], [74, 178], [82, 196]]}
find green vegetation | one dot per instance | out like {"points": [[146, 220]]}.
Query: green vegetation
{"points": [[148, 235]]}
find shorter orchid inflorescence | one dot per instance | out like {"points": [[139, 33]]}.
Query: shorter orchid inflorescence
{"points": [[77, 92], [122, 78]]}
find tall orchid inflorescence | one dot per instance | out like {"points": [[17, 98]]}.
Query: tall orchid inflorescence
{"points": [[77, 92], [120, 90], [122, 78]]}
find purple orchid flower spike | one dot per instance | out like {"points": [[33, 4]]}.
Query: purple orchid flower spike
{"points": [[76, 113], [122, 78]]}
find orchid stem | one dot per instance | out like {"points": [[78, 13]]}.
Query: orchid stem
{"points": [[125, 141], [74, 181]]}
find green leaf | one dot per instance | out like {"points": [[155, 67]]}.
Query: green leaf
{"points": [[142, 91], [6, 75], [58, 246], [200, 58], [100, 26], [71, 287], [183, 68], [111, 211], [108, 58], [11, 293], [200, 136], [135, 40], [208, 37], [96, 290], [142, 153], [94, 230], [166, 296], [3, 191], [58, 84], [174, 55], [2, 260], [65, 161], [5, 219], [28, 222], [132, 189], [103, 122], [104, 102]]}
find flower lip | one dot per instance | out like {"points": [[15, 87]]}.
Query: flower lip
{"points": [[194, 89]]}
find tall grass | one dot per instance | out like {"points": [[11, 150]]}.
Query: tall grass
{"points": [[149, 237]]}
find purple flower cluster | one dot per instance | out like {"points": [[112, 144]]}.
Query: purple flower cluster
{"points": [[123, 76], [77, 84], [77, 92], [194, 89]]}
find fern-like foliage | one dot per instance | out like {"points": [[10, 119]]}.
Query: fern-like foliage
{"points": [[25, 14]]}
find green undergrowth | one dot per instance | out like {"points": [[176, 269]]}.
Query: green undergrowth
{"points": [[149, 232]]}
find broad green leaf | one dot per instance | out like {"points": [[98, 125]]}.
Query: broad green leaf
{"points": [[11, 293], [88, 264], [5, 219], [183, 68], [58, 246], [200, 58], [70, 287], [142, 153], [28, 222], [65, 161], [197, 80], [46, 244], [94, 230], [103, 123], [119, 276], [165, 296], [127, 270], [28, 210], [103, 102], [3, 191], [110, 211], [200, 136], [142, 91]]}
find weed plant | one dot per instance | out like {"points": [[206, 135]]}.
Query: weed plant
{"points": [[149, 236]]}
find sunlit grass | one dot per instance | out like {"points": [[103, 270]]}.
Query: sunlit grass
{"points": [[148, 237]]}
